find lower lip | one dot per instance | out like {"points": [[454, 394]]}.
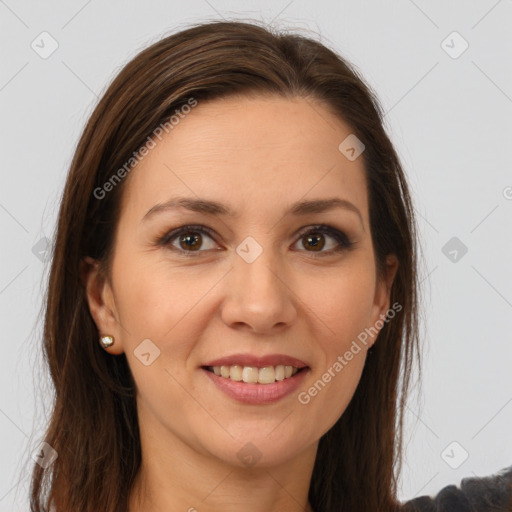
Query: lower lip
{"points": [[257, 394]]}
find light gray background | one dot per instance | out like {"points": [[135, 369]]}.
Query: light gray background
{"points": [[448, 117]]}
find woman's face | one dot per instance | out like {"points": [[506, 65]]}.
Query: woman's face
{"points": [[258, 282]]}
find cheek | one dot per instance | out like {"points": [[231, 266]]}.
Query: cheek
{"points": [[144, 304], [157, 304], [345, 309], [168, 306], [328, 396], [151, 296], [343, 302], [344, 306]]}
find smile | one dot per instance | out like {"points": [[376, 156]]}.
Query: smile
{"points": [[256, 385], [253, 374]]}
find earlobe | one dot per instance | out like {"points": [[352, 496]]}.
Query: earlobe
{"points": [[101, 303]]}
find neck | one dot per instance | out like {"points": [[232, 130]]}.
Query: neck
{"points": [[174, 476]]}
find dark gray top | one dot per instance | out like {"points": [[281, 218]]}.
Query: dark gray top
{"points": [[476, 494]]}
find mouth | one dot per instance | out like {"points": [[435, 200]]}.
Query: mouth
{"points": [[256, 379], [257, 384], [254, 374]]}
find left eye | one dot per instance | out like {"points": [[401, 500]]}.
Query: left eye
{"points": [[315, 238], [191, 239]]}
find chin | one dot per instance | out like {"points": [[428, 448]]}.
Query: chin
{"points": [[259, 450]]}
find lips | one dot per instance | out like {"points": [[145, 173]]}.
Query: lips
{"points": [[256, 380], [257, 393], [256, 361]]}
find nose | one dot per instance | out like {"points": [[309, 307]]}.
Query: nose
{"points": [[259, 297]]}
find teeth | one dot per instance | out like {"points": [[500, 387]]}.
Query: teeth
{"points": [[253, 375], [236, 373], [267, 375], [250, 374]]}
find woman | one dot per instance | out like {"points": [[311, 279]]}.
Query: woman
{"points": [[233, 292]]}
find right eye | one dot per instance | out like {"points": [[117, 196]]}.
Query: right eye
{"points": [[187, 240]]}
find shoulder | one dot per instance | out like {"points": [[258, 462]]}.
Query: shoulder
{"points": [[476, 494]]}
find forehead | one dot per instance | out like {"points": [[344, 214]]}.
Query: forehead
{"points": [[250, 152]]}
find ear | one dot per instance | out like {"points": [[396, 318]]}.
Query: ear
{"points": [[382, 297], [100, 298]]}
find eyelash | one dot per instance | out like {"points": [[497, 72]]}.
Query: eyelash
{"points": [[339, 236]]}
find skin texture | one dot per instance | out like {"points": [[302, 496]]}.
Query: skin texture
{"points": [[257, 156]]}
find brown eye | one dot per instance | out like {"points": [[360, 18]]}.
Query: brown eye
{"points": [[317, 238], [315, 241], [190, 240], [320, 240]]}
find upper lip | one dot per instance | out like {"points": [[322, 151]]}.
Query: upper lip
{"points": [[258, 361]]}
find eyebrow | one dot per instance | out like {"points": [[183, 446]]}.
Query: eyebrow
{"points": [[208, 207]]}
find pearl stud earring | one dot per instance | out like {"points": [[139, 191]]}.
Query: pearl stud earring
{"points": [[106, 341]]}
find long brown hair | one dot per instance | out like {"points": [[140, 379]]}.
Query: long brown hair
{"points": [[93, 425]]}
